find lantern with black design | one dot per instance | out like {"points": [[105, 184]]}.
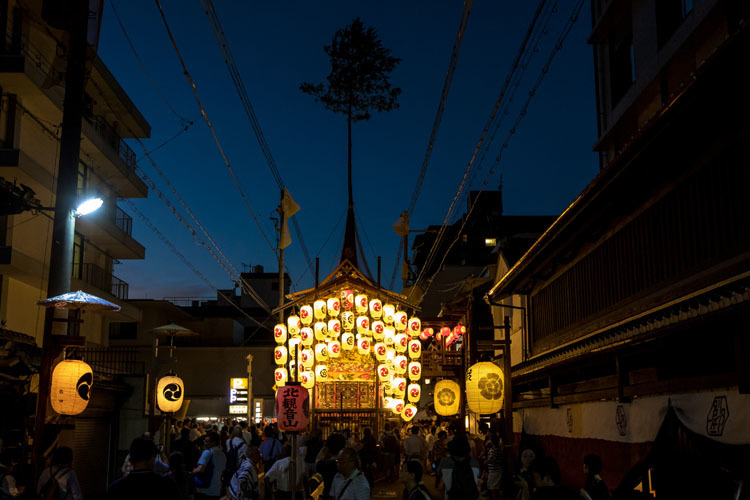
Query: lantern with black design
{"points": [[71, 386], [170, 391]]}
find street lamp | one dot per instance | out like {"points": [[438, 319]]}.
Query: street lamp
{"points": [[88, 205]]}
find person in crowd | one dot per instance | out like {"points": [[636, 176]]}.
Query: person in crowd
{"points": [[389, 443], [594, 488], [546, 482], [246, 436], [459, 471], [211, 464], [314, 443], [325, 462], [493, 462], [9, 485], [244, 482], [233, 446], [349, 483], [280, 475], [430, 439], [439, 451], [415, 448], [411, 476], [142, 482], [181, 477], [527, 457], [60, 476], [270, 448], [368, 454], [187, 448], [195, 431]]}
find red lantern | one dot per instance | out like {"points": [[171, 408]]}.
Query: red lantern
{"points": [[293, 408], [444, 332], [459, 330]]}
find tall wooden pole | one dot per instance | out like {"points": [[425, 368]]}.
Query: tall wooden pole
{"points": [[508, 437]]}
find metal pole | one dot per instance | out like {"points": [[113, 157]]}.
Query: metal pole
{"points": [[293, 468], [63, 227]]}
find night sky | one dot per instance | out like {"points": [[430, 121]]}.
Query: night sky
{"points": [[278, 45]]}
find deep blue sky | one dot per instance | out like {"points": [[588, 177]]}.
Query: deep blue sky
{"points": [[278, 45]]}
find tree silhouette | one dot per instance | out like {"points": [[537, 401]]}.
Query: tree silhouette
{"points": [[359, 81]]}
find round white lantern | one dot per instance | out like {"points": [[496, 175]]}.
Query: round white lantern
{"points": [[347, 321], [320, 310], [384, 373], [280, 376], [484, 388], [390, 354], [363, 325], [279, 334], [307, 358], [380, 351], [415, 349], [321, 373], [321, 353], [293, 325], [400, 342], [397, 406], [170, 391], [376, 308], [363, 345], [334, 328], [378, 330], [306, 335], [306, 315], [347, 341], [388, 311], [307, 378], [280, 355], [333, 306], [321, 331], [399, 386], [334, 349], [399, 321], [360, 304], [415, 370], [415, 326], [408, 413], [347, 299], [413, 393], [294, 343], [389, 335], [71, 386], [400, 363]]}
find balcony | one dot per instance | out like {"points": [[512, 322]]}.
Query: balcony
{"points": [[123, 221], [101, 279], [111, 229]]}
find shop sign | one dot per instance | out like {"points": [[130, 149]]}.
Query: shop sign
{"points": [[238, 409], [238, 392]]}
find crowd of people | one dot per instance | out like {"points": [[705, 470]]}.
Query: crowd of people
{"points": [[237, 461]]}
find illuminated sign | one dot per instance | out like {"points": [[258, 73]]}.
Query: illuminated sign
{"points": [[238, 409], [238, 392], [238, 383]]}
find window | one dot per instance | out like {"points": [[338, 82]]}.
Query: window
{"points": [[123, 331], [621, 67], [83, 170], [669, 17], [490, 242], [78, 245]]}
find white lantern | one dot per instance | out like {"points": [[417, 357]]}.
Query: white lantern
{"points": [[347, 341], [400, 364], [347, 321], [279, 334], [360, 304], [334, 349], [169, 393], [399, 321], [280, 376], [408, 412], [363, 325], [321, 353], [384, 373], [306, 315], [413, 393], [347, 299], [376, 308], [319, 310], [415, 370], [388, 311], [388, 402], [280, 355], [400, 342], [308, 379], [380, 351], [334, 328], [293, 345], [389, 335], [321, 331], [415, 349], [333, 306], [293, 325], [390, 354], [321, 373], [363, 345], [397, 406], [415, 326], [307, 358], [71, 386], [399, 386], [307, 336], [378, 330]]}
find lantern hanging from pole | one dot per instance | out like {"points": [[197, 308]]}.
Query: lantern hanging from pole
{"points": [[459, 330], [306, 315], [400, 342], [307, 336], [347, 321], [426, 333], [415, 326], [389, 335], [334, 328], [321, 353], [347, 299], [319, 309], [279, 333], [380, 351], [397, 406], [363, 325], [399, 386], [400, 364], [334, 349], [280, 355], [321, 331], [294, 344], [388, 311], [484, 388], [384, 373], [293, 408], [399, 321], [280, 376], [413, 392], [363, 345], [408, 412], [169, 393], [378, 330], [376, 308], [71, 386], [447, 398], [360, 304], [347, 341], [321, 373], [333, 305], [293, 325], [307, 378], [452, 338], [307, 358], [415, 349], [415, 370], [444, 333]]}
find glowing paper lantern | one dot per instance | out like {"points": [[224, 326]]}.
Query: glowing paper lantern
{"points": [[293, 325], [415, 349], [321, 331], [447, 398], [334, 306], [363, 325], [408, 412], [306, 315], [400, 342], [280, 355], [415, 326], [388, 311], [400, 364], [169, 393], [307, 358], [390, 354], [415, 370], [347, 299], [293, 345], [426, 333], [308, 379], [321, 373], [399, 386], [306, 335], [279, 334], [380, 351], [378, 330], [347, 321], [444, 333], [334, 328], [293, 408], [347, 341], [321, 353], [360, 304], [397, 406], [413, 392], [399, 321], [376, 308], [320, 310], [384, 373], [388, 402], [280, 376], [484, 388], [389, 335], [334, 349], [363, 345]]}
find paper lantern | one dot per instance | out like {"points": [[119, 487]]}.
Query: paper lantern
{"points": [[413, 392], [378, 330], [292, 408], [280, 355], [334, 328], [426, 333], [408, 412], [294, 343], [415, 370], [169, 393], [444, 333], [347, 299], [363, 345], [307, 378], [334, 349], [400, 363], [333, 306], [388, 311], [306, 315], [71, 386], [415, 326], [280, 376], [347, 341], [293, 325], [459, 330], [415, 349], [399, 321], [388, 402], [306, 336], [397, 406], [321, 331], [399, 386], [380, 351], [321, 373], [384, 373], [307, 358], [390, 354], [320, 310], [400, 342], [447, 398], [376, 308], [347, 321], [452, 338], [363, 325], [321, 353], [360, 304], [484, 388], [389, 335], [279, 334]]}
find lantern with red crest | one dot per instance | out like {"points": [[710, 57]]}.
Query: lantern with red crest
{"points": [[400, 342], [408, 412], [307, 336], [293, 325], [306, 315], [399, 321], [378, 330], [415, 326], [415, 370], [307, 358], [293, 408], [279, 334], [334, 328], [363, 345], [384, 373], [334, 306], [347, 300], [308, 379], [400, 363], [280, 355], [360, 304], [334, 349], [363, 325], [280, 376], [413, 392], [399, 386], [376, 308], [397, 405], [415, 349], [380, 351]]}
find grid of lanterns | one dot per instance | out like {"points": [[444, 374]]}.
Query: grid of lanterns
{"points": [[348, 322]]}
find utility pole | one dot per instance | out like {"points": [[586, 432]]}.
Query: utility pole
{"points": [[508, 437], [63, 227]]}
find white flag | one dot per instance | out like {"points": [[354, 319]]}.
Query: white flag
{"points": [[289, 207]]}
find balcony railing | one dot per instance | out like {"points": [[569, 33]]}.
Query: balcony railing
{"points": [[110, 135], [123, 221], [101, 279], [113, 361]]}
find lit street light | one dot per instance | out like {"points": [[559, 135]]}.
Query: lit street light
{"points": [[89, 205]]}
